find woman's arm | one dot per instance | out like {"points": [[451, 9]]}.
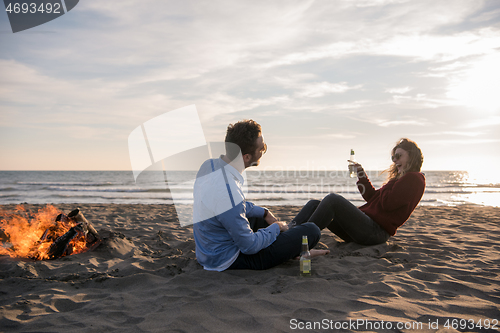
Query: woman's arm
{"points": [[365, 187]]}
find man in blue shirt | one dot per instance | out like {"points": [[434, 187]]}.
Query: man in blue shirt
{"points": [[230, 232]]}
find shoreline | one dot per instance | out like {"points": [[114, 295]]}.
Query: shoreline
{"points": [[442, 263], [278, 206]]}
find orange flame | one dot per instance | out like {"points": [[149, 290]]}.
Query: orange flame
{"points": [[24, 231]]}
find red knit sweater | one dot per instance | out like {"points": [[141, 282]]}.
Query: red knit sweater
{"points": [[392, 204]]}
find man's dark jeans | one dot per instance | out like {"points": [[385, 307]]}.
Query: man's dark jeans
{"points": [[287, 245]]}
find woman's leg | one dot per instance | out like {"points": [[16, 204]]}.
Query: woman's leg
{"points": [[347, 221], [305, 213]]}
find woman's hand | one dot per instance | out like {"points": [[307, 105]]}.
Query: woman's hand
{"points": [[360, 171]]}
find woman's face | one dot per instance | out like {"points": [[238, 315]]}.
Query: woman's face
{"points": [[401, 158]]}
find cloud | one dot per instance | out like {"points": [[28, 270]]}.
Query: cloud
{"points": [[398, 91], [417, 47], [334, 50], [292, 64], [444, 70], [441, 48], [458, 142], [373, 3], [341, 136], [86, 109], [405, 29], [390, 123], [449, 133], [322, 88], [419, 101], [390, 118], [484, 122]]}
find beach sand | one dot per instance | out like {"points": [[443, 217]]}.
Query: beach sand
{"points": [[443, 264]]}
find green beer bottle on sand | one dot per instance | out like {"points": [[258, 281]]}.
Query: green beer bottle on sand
{"points": [[305, 258]]}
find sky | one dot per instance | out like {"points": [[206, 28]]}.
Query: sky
{"points": [[321, 77]]}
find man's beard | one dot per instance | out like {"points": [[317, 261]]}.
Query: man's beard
{"points": [[253, 162]]}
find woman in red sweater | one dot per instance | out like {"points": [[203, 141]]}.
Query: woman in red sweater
{"points": [[385, 210]]}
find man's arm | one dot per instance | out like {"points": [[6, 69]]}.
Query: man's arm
{"points": [[236, 223], [266, 214], [257, 211]]}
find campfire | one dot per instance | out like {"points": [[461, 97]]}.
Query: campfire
{"points": [[46, 234]]}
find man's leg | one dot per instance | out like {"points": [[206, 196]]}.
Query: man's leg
{"points": [[288, 245]]}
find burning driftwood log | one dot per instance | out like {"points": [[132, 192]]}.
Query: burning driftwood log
{"points": [[82, 231], [66, 235]]}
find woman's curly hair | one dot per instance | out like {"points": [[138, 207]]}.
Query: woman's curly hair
{"points": [[414, 163]]}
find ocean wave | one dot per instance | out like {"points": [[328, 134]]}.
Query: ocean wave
{"points": [[463, 186], [458, 191], [55, 196], [68, 183], [486, 185], [115, 189], [443, 188], [288, 191], [2, 196]]}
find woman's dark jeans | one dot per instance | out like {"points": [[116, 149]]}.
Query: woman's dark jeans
{"points": [[344, 219]]}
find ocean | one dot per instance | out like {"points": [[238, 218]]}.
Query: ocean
{"points": [[265, 188]]}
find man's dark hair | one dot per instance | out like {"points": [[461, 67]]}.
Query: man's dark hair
{"points": [[244, 134]]}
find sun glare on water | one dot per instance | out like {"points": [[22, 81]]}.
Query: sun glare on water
{"points": [[487, 191], [483, 177]]}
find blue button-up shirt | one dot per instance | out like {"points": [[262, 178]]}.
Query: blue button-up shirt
{"points": [[221, 228]]}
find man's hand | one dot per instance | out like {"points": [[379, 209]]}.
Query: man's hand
{"points": [[270, 218], [283, 226]]}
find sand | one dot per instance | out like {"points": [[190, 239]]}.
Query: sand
{"points": [[442, 267]]}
